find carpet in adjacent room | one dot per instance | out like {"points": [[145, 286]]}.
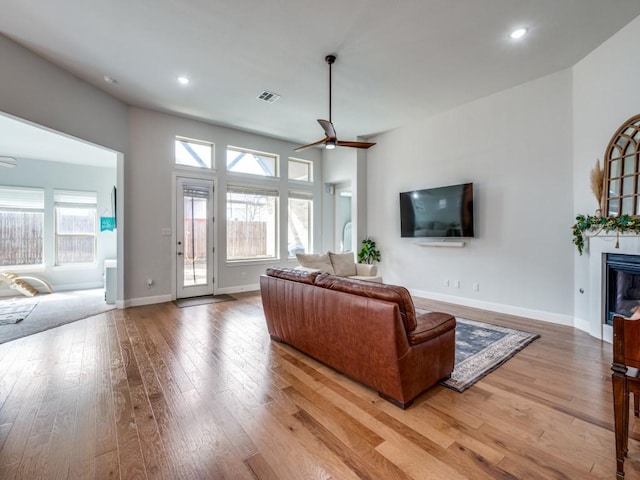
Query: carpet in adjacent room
{"points": [[15, 312], [51, 310]]}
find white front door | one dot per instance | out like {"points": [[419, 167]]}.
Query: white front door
{"points": [[194, 237]]}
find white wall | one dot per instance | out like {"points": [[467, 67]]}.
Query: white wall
{"points": [[605, 95], [515, 146], [64, 176], [149, 188], [34, 89]]}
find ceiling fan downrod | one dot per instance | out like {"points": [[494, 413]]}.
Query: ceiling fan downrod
{"points": [[330, 59]]}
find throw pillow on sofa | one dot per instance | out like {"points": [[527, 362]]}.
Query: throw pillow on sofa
{"points": [[343, 264], [316, 261]]}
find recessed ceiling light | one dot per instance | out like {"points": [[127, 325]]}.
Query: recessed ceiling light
{"points": [[109, 79], [518, 33], [182, 80]]}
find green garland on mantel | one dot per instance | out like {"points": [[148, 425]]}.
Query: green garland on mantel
{"points": [[620, 224]]}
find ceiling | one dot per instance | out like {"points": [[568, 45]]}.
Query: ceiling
{"points": [[396, 60], [21, 139]]}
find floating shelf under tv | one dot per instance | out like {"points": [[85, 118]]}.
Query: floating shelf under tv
{"points": [[439, 243]]}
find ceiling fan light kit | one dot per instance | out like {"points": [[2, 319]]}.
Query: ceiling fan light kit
{"points": [[330, 140]]}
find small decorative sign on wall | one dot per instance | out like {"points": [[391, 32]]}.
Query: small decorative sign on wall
{"points": [[107, 224]]}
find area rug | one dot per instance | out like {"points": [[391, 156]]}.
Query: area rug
{"points": [[480, 349], [15, 312], [204, 300]]}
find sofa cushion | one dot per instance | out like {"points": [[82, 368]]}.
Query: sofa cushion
{"points": [[366, 270], [319, 261], [343, 264], [381, 291], [294, 275]]}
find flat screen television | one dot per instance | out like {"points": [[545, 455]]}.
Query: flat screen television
{"points": [[441, 212]]}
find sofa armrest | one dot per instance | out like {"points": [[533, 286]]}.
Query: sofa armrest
{"points": [[431, 325], [366, 270]]}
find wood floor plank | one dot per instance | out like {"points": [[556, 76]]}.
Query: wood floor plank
{"points": [[107, 466], [202, 392], [34, 461], [260, 468], [17, 439]]}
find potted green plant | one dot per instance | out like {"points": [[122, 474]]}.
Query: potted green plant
{"points": [[368, 253]]}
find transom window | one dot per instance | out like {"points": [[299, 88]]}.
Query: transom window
{"points": [[193, 153], [76, 219], [21, 226], [255, 163], [301, 170], [621, 171]]}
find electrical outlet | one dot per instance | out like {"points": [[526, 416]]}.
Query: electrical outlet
{"points": [[476, 287], [457, 284], [446, 283]]}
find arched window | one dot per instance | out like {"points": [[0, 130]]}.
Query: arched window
{"points": [[621, 171]]}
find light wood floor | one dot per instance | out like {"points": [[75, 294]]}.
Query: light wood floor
{"points": [[202, 393]]}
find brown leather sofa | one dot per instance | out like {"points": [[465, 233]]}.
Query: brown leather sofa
{"points": [[368, 331]]}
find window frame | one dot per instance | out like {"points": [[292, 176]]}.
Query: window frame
{"points": [[247, 151], [13, 207], [623, 150], [57, 204], [196, 168], [309, 164], [268, 191], [301, 195]]}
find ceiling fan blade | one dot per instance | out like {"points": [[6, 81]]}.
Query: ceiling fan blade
{"points": [[304, 147], [328, 128], [342, 143]]}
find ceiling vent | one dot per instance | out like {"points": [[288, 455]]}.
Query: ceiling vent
{"points": [[269, 97]]}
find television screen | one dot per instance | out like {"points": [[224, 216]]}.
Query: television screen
{"points": [[437, 212]]}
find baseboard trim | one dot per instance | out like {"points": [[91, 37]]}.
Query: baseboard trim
{"points": [[238, 289], [541, 315], [140, 301]]}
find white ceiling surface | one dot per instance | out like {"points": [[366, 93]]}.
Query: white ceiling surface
{"points": [[20, 139], [397, 60]]}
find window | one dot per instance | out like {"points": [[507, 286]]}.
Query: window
{"points": [[254, 163], [75, 221], [622, 195], [300, 222], [21, 226], [252, 223], [193, 153], [300, 170]]}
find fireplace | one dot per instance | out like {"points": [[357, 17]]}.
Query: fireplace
{"points": [[622, 294]]}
